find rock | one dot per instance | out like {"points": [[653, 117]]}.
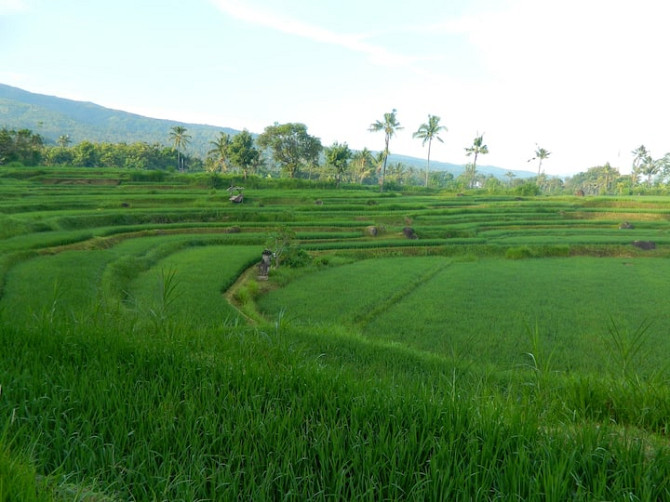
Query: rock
{"points": [[646, 245], [372, 231], [409, 233], [626, 226]]}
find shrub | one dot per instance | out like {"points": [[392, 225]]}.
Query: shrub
{"points": [[527, 190], [518, 253], [295, 257]]}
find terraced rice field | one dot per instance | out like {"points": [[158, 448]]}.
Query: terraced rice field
{"points": [[423, 345]]}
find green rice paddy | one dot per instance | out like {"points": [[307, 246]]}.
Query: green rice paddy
{"points": [[516, 349]]}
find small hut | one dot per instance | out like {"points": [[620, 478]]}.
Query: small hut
{"points": [[264, 265], [236, 196]]}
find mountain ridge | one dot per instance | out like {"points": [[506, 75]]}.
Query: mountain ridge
{"points": [[52, 117]]}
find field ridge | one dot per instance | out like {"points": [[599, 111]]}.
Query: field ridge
{"points": [[362, 319]]}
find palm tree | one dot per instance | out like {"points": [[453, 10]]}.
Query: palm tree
{"points": [[64, 140], [180, 138], [220, 150], [641, 157], [363, 163], [478, 148], [428, 132], [389, 125], [649, 168], [607, 176], [540, 155]]}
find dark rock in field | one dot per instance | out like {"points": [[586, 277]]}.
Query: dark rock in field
{"points": [[626, 226], [233, 230], [125, 204], [518, 198], [579, 193], [372, 231], [460, 195], [371, 202], [318, 202], [646, 245], [409, 233]]}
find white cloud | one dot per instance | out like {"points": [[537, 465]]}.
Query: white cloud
{"points": [[356, 43], [13, 7]]}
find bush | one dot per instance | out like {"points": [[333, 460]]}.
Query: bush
{"points": [[247, 293], [519, 253], [295, 257], [527, 189]]}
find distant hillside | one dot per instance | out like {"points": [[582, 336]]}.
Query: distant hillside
{"points": [[52, 117], [456, 169]]}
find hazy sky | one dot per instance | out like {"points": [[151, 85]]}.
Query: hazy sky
{"points": [[588, 80]]}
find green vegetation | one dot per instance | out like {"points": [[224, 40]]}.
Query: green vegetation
{"points": [[405, 346]]}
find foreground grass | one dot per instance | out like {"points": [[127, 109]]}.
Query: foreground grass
{"points": [[279, 412]]}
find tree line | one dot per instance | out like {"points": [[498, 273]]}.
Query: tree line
{"points": [[288, 150]]}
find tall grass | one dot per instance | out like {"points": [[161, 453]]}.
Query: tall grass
{"points": [[212, 416], [406, 379]]}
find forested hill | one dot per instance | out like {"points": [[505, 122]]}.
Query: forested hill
{"points": [[52, 117]]}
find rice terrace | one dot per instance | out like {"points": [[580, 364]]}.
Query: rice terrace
{"points": [[405, 345]]}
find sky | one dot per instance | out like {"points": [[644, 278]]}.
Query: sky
{"points": [[587, 80]]}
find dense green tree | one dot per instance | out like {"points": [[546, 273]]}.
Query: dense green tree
{"points": [[112, 155], [137, 155], [243, 153], [442, 179], [390, 126], [607, 177], [598, 180], [59, 156], [664, 168], [649, 168], [553, 185], [291, 147], [428, 132], [180, 139], [645, 165], [397, 173], [6, 145], [86, 154], [23, 146], [478, 148], [338, 156], [469, 175]]}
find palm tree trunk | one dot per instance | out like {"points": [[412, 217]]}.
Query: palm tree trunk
{"points": [[428, 163], [386, 156]]}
